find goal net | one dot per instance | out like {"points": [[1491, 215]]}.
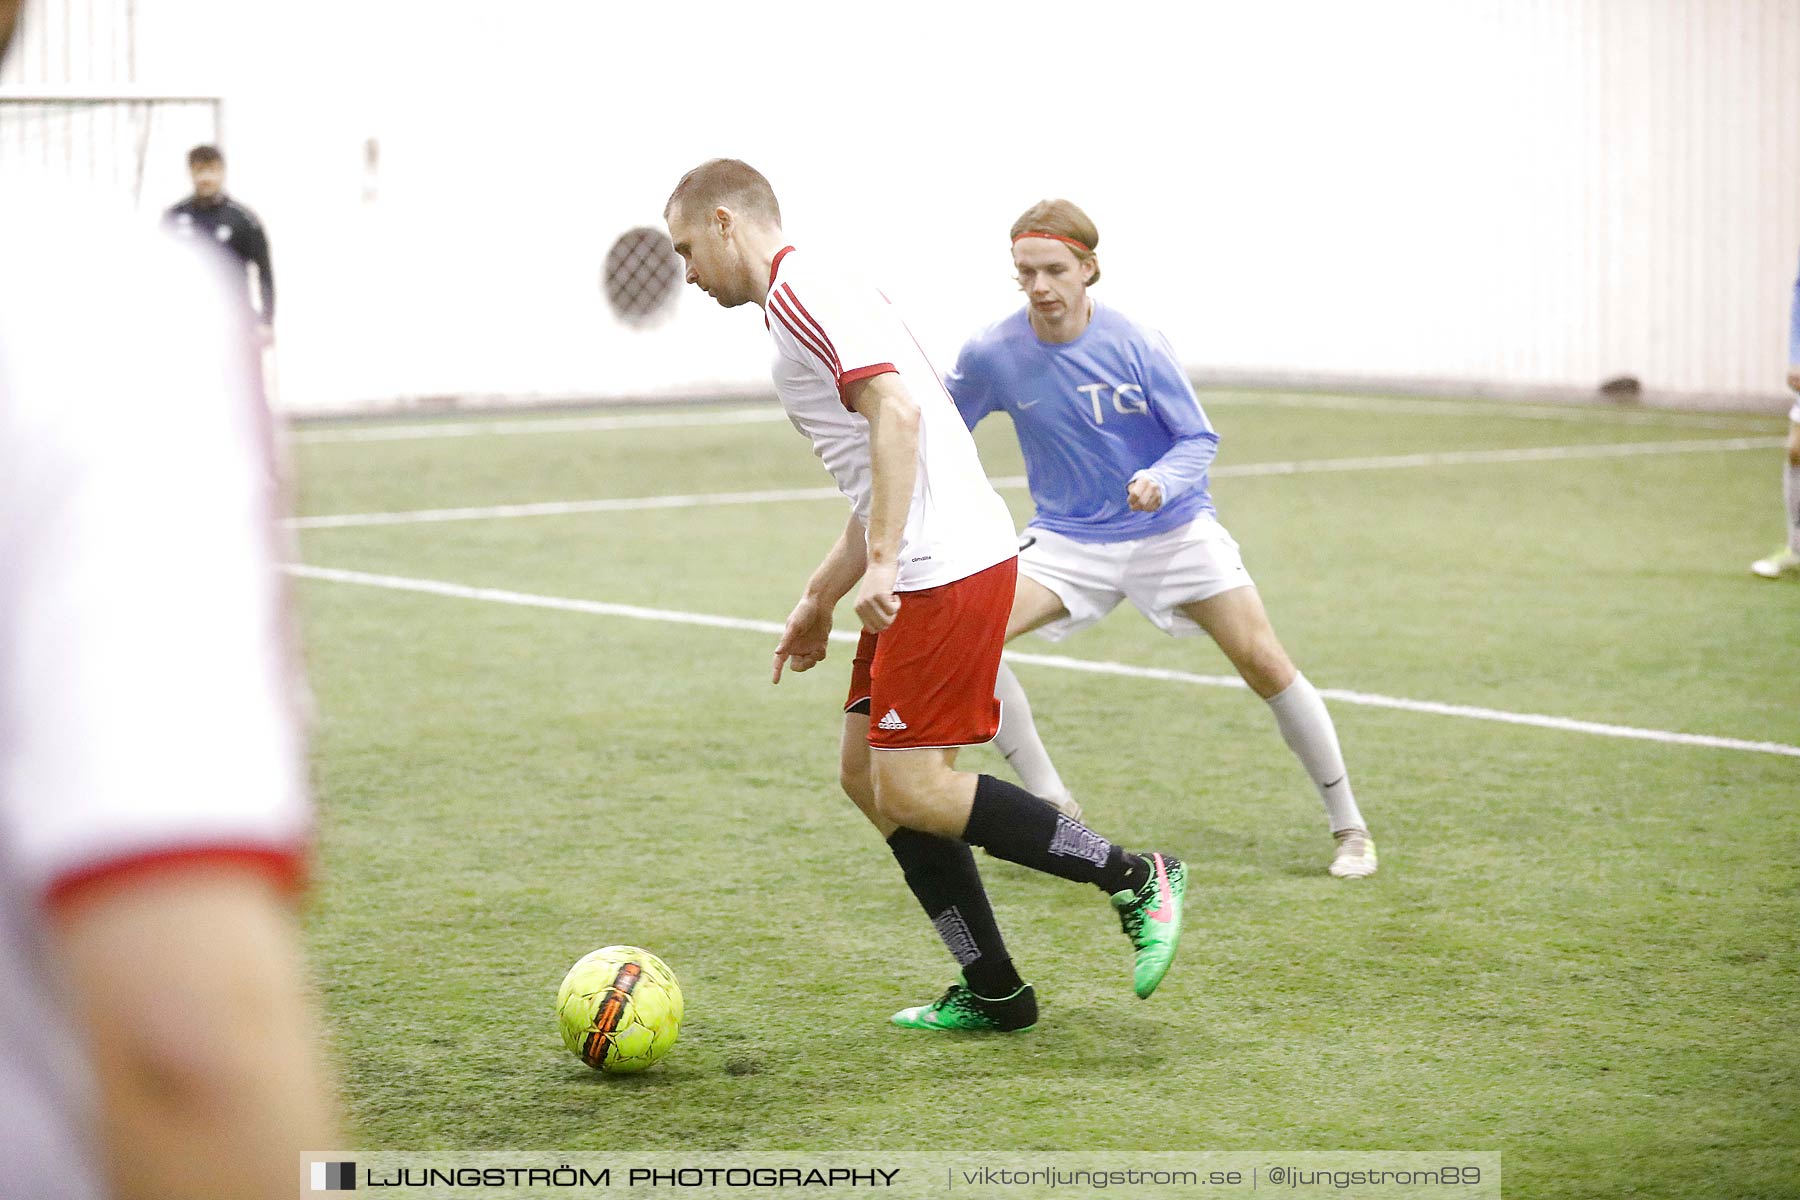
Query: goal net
{"points": [[125, 143]]}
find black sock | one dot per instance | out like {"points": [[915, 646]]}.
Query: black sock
{"points": [[1013, 824], [941, 872]]}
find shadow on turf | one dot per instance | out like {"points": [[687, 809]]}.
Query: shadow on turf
{"points": [[1134, 1040], [637, 1081]]}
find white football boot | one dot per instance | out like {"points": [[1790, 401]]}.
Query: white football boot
{"points": [[1355, 857], [1780, 563]]}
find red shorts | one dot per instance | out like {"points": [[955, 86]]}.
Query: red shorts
{"points": [[929, 677]]}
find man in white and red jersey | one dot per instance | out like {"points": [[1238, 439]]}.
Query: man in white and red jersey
{"points": [[934, 548], [155, 1036]]}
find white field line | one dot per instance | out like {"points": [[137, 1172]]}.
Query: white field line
{"points": [[427, 429], [458, 591], [1444, 458], [1477, 408], [558, 508], [1455, 458]]}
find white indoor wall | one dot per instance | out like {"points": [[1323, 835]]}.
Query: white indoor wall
{"points": [[1501, 193], [65, 41]]}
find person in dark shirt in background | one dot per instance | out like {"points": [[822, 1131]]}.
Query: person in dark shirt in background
{"points": [[210, 214]]}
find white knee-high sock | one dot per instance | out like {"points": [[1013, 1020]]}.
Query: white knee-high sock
{"points": [[1307, 729], [1790, 491], [1018, 740]]}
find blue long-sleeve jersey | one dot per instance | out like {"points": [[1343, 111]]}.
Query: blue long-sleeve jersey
{"points": [[1090, 414]]}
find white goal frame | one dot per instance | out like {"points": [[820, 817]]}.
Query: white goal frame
{"points": [[92, 149]]}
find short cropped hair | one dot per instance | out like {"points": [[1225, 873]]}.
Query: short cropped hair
{"points": [[201, 156], [1064, 220], [725, 181]]}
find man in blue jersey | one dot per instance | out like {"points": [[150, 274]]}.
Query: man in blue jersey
{"points": [[1116, 452], [1786, 560]]}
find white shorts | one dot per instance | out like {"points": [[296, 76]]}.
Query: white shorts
{"points": [[1157, 574], [1794, 412]]}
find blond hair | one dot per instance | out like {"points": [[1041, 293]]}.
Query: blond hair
{"points": [[1065, 222]]}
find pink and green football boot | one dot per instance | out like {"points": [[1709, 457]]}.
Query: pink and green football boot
{"points": [[1151, 917]]}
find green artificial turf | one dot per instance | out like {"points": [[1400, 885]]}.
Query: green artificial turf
{"points": [[1580, 950]]}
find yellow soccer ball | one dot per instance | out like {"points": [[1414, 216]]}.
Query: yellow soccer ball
{"points": [[619, 1009]]}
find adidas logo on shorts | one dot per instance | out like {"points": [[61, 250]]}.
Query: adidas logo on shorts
{"points": [[891, 721]]}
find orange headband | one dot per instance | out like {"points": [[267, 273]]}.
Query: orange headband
{"points": [[1055, 237]]}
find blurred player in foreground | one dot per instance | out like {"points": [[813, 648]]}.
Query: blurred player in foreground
{"points": [[1787, 559], [1116, 454], [156, 1040], [933, 546]]}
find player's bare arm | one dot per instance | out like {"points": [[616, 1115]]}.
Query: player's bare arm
{"points": [[807, 636], [212, 1088], [894, 471]]}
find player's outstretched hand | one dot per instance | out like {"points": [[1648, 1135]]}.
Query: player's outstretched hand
{"points": [[805, 639], [1145, 494], [876, 601]]}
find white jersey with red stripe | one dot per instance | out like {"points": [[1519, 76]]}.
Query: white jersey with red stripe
{"points": [[148, 705], [829, 332]]}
